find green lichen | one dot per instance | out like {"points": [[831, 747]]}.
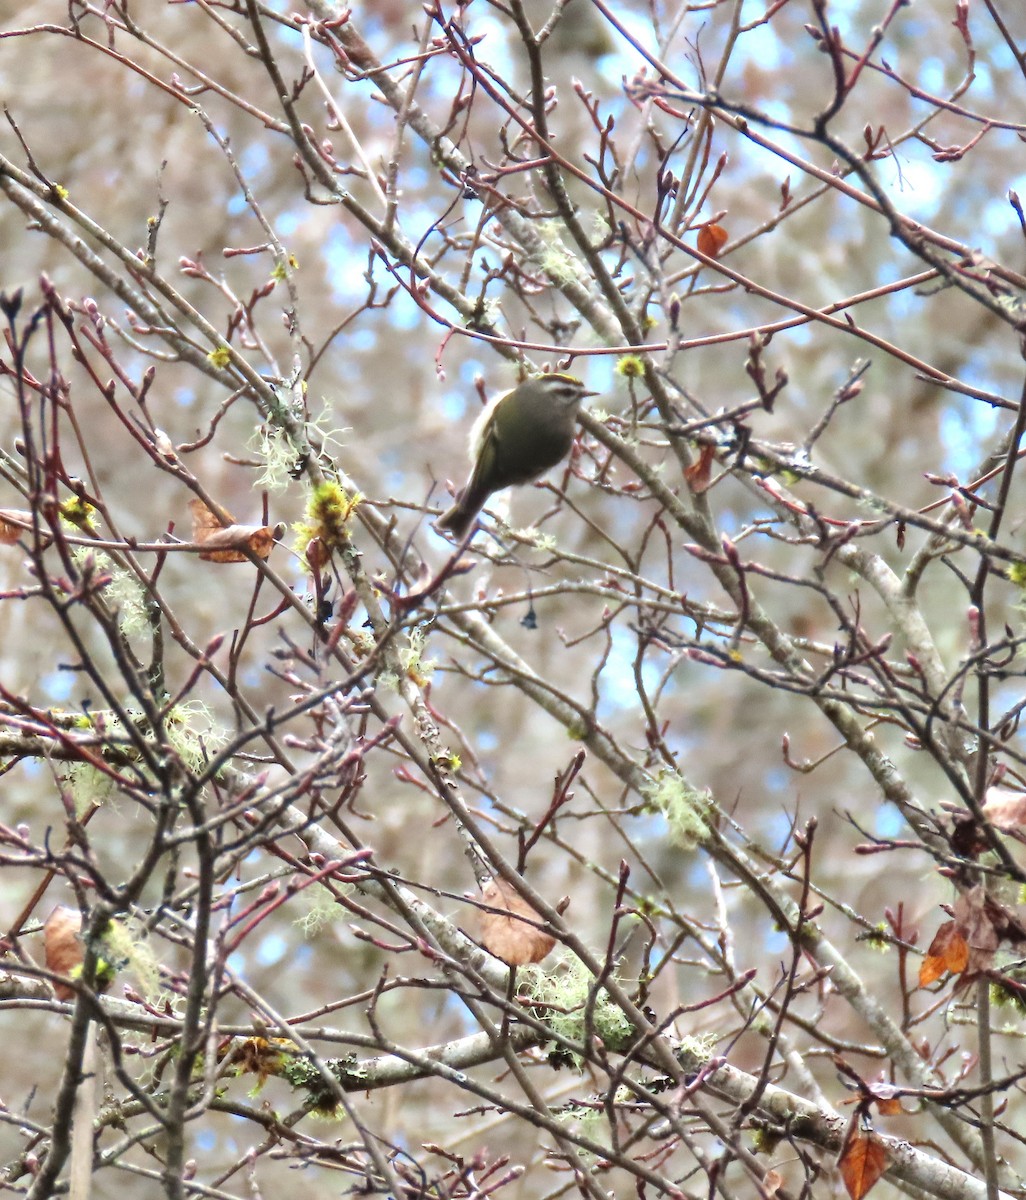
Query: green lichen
{"points": [[126, 947], [685, 808], [321, 910], [123, 591], [192, 731], [273, 446], [302, 1073], [556, 260], [88, 787], [572, 1009], [411, 658]]}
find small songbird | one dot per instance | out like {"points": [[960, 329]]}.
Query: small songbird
{"points": [[517, 437]]}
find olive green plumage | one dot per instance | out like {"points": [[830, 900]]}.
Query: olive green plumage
{"points": [[517, 437]]}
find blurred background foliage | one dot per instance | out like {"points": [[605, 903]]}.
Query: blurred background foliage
{"points": [[105, 98]]}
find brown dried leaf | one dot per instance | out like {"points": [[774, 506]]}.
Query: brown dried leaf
{"points": [[863, 1162], [966, 944], [711, 240], [699, 474], [511, 937], [227, 543], [1005, 809], [226, 546], [977, 918], [13, 524], [948, 951], [62, 947]]}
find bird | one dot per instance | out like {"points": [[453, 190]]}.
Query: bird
{"points": [[516, 438]]}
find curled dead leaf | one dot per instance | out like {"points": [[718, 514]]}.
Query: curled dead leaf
{"points": [[966, 945], [13, 524], [228, 543], [948, 951], [511, 934], [62, 946], [699, 474], [983, 923]]}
